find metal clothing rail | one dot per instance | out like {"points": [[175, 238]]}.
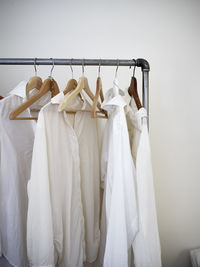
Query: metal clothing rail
{"points": [[142, 63]]}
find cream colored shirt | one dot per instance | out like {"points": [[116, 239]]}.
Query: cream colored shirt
{"points": [[63, 212], [16, 144]]}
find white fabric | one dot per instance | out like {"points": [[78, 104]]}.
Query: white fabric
{"points": [[195, 257], [64, 188], [19, 90], [16, 142], [119, 213], [146, 246]]}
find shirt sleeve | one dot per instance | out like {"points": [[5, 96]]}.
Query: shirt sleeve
{"points": [[146, 246], [40, 245]]}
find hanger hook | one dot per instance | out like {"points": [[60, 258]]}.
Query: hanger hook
{"points": [[117, 68], [35, 66], [99, 68], [134, 71], [71, 69], [52, 67], [83, 63], [134, 68]]}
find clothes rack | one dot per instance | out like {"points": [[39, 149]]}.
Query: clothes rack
{"points": [[142, 63]]}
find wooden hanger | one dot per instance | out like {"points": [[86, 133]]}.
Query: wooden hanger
{"points": [[132, 90], [82, 85], [48, 85], [71, 85], [34, 82], [99, 92]]}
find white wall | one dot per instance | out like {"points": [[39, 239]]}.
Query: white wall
{"points": [[166, 33]]}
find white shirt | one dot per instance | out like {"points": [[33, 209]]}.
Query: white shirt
{"points": [[119, 213], [146, 246], [63, 213], [16, 142]]}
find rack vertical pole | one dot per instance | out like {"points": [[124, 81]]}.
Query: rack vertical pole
{"points": [[145, 91]]}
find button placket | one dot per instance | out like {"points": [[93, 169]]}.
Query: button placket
{"points": [[76, 155]]}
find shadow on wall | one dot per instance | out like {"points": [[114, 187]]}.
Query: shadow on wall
{"points": [[183, 258]]}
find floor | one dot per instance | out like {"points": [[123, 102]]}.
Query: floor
{"points": [[4, 262]]}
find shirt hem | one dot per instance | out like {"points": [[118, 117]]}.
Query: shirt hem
{"points": [[10, 262]]}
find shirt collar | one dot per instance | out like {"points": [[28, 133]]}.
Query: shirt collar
{"points": [[131, 106], [19, 90], [76, 102], [57, 99], [113, 100], [141, 113], [137, 117]]}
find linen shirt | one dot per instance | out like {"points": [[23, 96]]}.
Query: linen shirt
{"points": [[63, 212], [146, 246], [16, 142], [119, 213]]}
